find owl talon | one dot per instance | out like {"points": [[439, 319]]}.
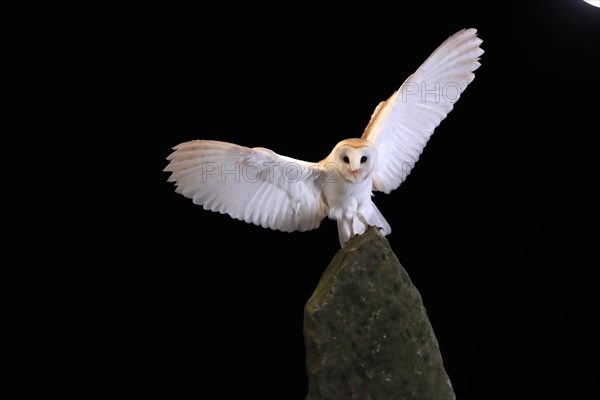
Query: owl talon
{"points": [[380, 229]]}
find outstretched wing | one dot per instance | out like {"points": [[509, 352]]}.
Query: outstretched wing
{"points": [[401, 126], [253, 185]]}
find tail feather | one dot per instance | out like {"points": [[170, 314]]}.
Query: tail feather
{"points": [[377, 220]]}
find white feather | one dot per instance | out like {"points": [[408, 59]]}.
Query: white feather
{"points": [[401, 126], [252, 185]]}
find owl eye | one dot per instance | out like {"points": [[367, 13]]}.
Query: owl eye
{"points": [[346, 159], [363, 159]]}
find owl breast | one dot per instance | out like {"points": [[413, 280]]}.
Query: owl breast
{"points": [[344, 198]]}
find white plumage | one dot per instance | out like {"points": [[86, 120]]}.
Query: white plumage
{"points": [[261, 187]]}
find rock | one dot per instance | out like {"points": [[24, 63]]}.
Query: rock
{"points": [[367, 333]]}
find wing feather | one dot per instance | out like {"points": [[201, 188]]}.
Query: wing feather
{"points": [[249, 184], [401, 126]]}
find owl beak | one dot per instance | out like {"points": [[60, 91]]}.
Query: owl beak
{"points": [[354, 172]]}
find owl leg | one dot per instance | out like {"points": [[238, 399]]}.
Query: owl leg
{"points": [[361, 215], [362, 219], [349, 216], [345, 230]]}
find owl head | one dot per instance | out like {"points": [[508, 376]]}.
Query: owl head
{"points": [[354, 158]]}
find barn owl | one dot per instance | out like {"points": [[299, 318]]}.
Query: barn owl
{"points": [[259, 186]]}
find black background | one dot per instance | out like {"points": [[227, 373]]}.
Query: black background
{"points": [[495, 225]]}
